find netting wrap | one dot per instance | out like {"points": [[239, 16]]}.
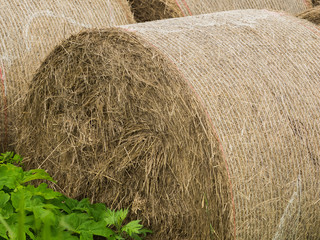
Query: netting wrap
{"points": [[179, 118]]}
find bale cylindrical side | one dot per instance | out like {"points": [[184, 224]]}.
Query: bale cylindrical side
{"points": [[147, 10], [312, 15], [121, 127], [257, 75], [143, 133], [29, 30]]}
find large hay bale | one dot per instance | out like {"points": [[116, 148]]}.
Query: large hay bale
{"points": [[126, 116], [312, 15], [126, 130], [29, 30], [149, 10]]}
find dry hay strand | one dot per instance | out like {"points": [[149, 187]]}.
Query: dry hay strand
{"points": [[143, 140], [150, 10], [115, 124], [161, 9], [312, 15], [29, 30]]}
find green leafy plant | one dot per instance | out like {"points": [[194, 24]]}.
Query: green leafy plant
{"points": [[30, 212]]}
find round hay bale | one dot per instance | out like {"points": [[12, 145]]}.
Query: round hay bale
{"points": [[148, 10], [127, 116], [29, 30], [312, 15], [126, 130]]}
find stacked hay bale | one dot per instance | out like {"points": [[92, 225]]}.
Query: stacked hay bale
{"points": [[132, 116], [312, 15], [28, 32], [148, 10]]}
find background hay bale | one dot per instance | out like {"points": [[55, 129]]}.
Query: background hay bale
{"points": [[148, 10], [29, 30], [143, 140], [312, 15]]}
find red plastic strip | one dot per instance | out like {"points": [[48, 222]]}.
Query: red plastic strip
{"points": [[186, 5], [180, 8]]}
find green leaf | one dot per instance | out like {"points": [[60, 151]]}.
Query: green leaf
{"points": [[96, 228], [98, 211], [59, 202], [44, 191], [60, 234], [4, 198], [132, 227], [86, 236], [46, 216], [4, 228], [71, 203], [13, 222], [6, 211], [121, 215], [17, 158], [20, 194], [10, 176], [115, 217], [10, 157], [5, 157], [36, 174], [6, 208], [110, 218], [74, 221], [82, 206], [81, 223]]}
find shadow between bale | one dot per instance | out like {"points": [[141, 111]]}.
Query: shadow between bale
{"points": [[110, 119], [151, 10], [315, 2], [312, 15]]}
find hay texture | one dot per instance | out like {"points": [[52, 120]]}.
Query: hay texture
{"points": [[29, 30], [312, 15], [132, 116], [148, 10]]}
